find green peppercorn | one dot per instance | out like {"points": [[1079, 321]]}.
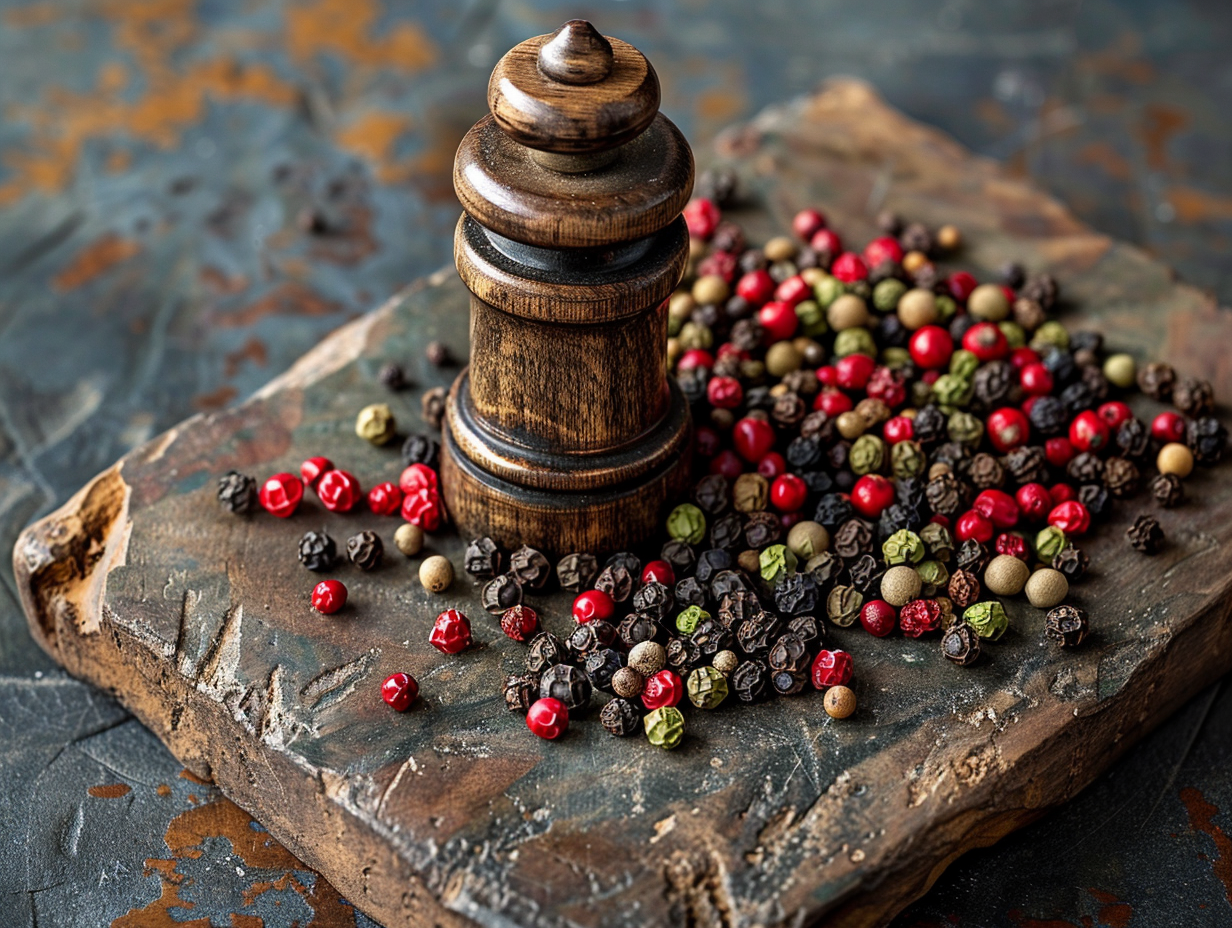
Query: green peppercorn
{"points": [[932, 574], [988, 619], [827, 290], [895, 358], [938, 540], [887, 293], [688, 620], [812, 318], [907, 459], [966, 428], [843, 605], [687, 523], [375, 423], [964, 364], [1120, 370], [903, 547], [952, 390], [855, 341], [775, 562], [1014, 334], [1050, 335], [867, 455], [706, 687], [664, 727], [946, 308], [1049, 542]]}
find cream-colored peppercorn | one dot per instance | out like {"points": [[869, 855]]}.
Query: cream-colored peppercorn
{"points": [[647, 658], [873, 411], [900, 585], [850, 425], [1175, 458], [1047, 588], [680, 307], [697, 249], [375, 423], [710, 288], [913, 261], [726, 662], [949, 238], [1120, 370], [783, 358], [1006, 575], [409, 539], [812, 275], [917, 308], [628, 683], [988, 302], [436, 573], [839, 702], [808, 539], [847, 312], [779, 248]]}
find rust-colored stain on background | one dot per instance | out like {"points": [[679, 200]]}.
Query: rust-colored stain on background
{"points": [[290, 299], [1159, 124], [1202, 818], [94, 260], [110, 791]]}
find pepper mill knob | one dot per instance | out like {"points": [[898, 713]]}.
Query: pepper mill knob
{"points": [[576, 54]]}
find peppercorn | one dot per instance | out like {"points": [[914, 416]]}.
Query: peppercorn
{"points": [[392, 376], [1168, 490], [1146, 535], [636, 628], [843, 605], [237, 492], [648, 658], [750, 681], [707, 687], [839, 702], [972, 556], [409, 539], [961, 644], [519, 622], [521, 691], [435, 573], [1193, 397], [530, 568], [1006, 575], [1156, 380], [1066, 625], [1121, 477], [899, 586], [420, 449], [627, 683], [933, 577], [317, 551], [620, 717], [482, 559], [280, 495], [601, 665], [664, 727], [329, 596], [376, 424], [988, 619], [1207, 438], [567, 684], [589, 637], [500, 593], [451, 632], [1046, 588], [548, 718], [654, 600], [866, 573], [919, 617], [365, 550], [854, 537], [903, 547], [576, 572], [616, 581], [1049, 542], [545, 650]]}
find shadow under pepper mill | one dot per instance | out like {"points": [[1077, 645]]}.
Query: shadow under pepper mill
{"points": [[565, 432]]}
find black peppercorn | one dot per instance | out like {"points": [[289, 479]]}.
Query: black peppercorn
{"points": [[719, 185], [1146, 535], [482, 559], [993, 382], [1156, 380], [1078, 397], [1043, 289], [365, 550], [601, 665], [838, 454], [620, 717], [317, 551], [788, 682], [930, 426], [954, 454], [795, 593], [762, 529], [713, 494], [689, 592], [961, 644], [726, 532], [692, 383], [566, 683], [833, 510], [683, 654], [1133, 438], [616, 581], [521, 690], [826, 569], [420, 449], [544, 651], [500, 593], [639, 627], [588, 637], [576, 572], [530, 567], [1207, 439], [392, 376], [1066, 625], [853, 538], [1028, 464], [711, 636], [808, 630], [866, 574], [746, 335], [726, 582], [755, 635], [804, 454], [916, 237], [738, 606], [1096, 498], [1085, 467], [972, 557], [945, 495], [788, 652], [711, 562], [898, 517], [654, 600], [788, 410], [1048, 415], [1071, 561], [1193, 397], [1168, 490], [964, 588], [432, 406], [986, 472], [438, 354], [1121, 477], [750, 681], [754, 259], [237, 492]]}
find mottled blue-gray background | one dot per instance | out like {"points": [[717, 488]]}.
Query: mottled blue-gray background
{"points": [[157, 161]]}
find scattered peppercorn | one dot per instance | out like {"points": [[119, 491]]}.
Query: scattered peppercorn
{"points": [[317, 551], [392, 376], [376, 424], [1066, 625], [436, 573], [329, 596], [961, 644], [237, 492], [839, 702], [365, 550], [1146, 535], [399, 691]]}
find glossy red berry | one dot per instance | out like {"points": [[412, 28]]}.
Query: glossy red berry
{"points": [[385, 499], [662, 689], [972, 524], [756, 287], [338, 490], [1021, 357], [1012, 544], [931, 347], [793, 290], [418, 476], [399, 691], [772, 465], [986, 341], [833, 403], [752, 438], [831, 668], [724, 392], [1034, 501], [423, 507], [519, 622], [1036, 379], [591, 605], [702, 217], [919, 617], [778, 321], [1114, 412], [998, 507], [807, 223], [329, 596], [826, 242], [659, 572], [312, 469], [695, 358], [899, 428], [1008, 429], [878, 617], [1061, 493], [827, 376], [1168, 426], [727, 463], [1059, 451], [280, 495], [720, 264], [788, 493], [1070, 517], [854, 371], [1088, 432], [872, 495], [451, 632], [849, 267], [961, 284], [880, 250], [548, 718]]}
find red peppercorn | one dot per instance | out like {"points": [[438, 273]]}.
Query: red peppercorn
{"points": [[849, 267], [788, 519], [662, 689], [986, 341], [720, 264], [280, 495], [778, 321], [548, 718], [418, 476], [887, 385], [788, 493], [1088, 432], [1059, 451], [329, 596], [724, 392], [960, 284], [1168, 426], [1061, 493], [338, 490], [1012, 544], [793, 290], [772, 465], [972, 524], [728, 350], [833, 403], [694, 358], [1008, 429], [882, 249], [1070, 517], [756, 287], [451, 632], [399, 691], [312, 469], [872, 495], [998, 507], [706, 441], [931, 347], [940, 519], [1036, 379], [827, 375], [1114, 412], [826, 241], [423, 508], [727, 463], [854, 371], [899, 428], [1034, 501], [807, 223], [878, 617], [831, 668], [702, 217], [752, 438], [519, 622], [592, 605], [1021, 357], [919, 617], [385, 499], [659, 572]]}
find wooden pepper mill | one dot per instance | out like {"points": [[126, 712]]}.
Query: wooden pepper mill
{"points": [[565, 432]]}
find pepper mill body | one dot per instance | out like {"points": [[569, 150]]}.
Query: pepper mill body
{"points": [[564, 432]]}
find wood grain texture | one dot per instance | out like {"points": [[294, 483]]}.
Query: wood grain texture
{"points": [[768, 815]]}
